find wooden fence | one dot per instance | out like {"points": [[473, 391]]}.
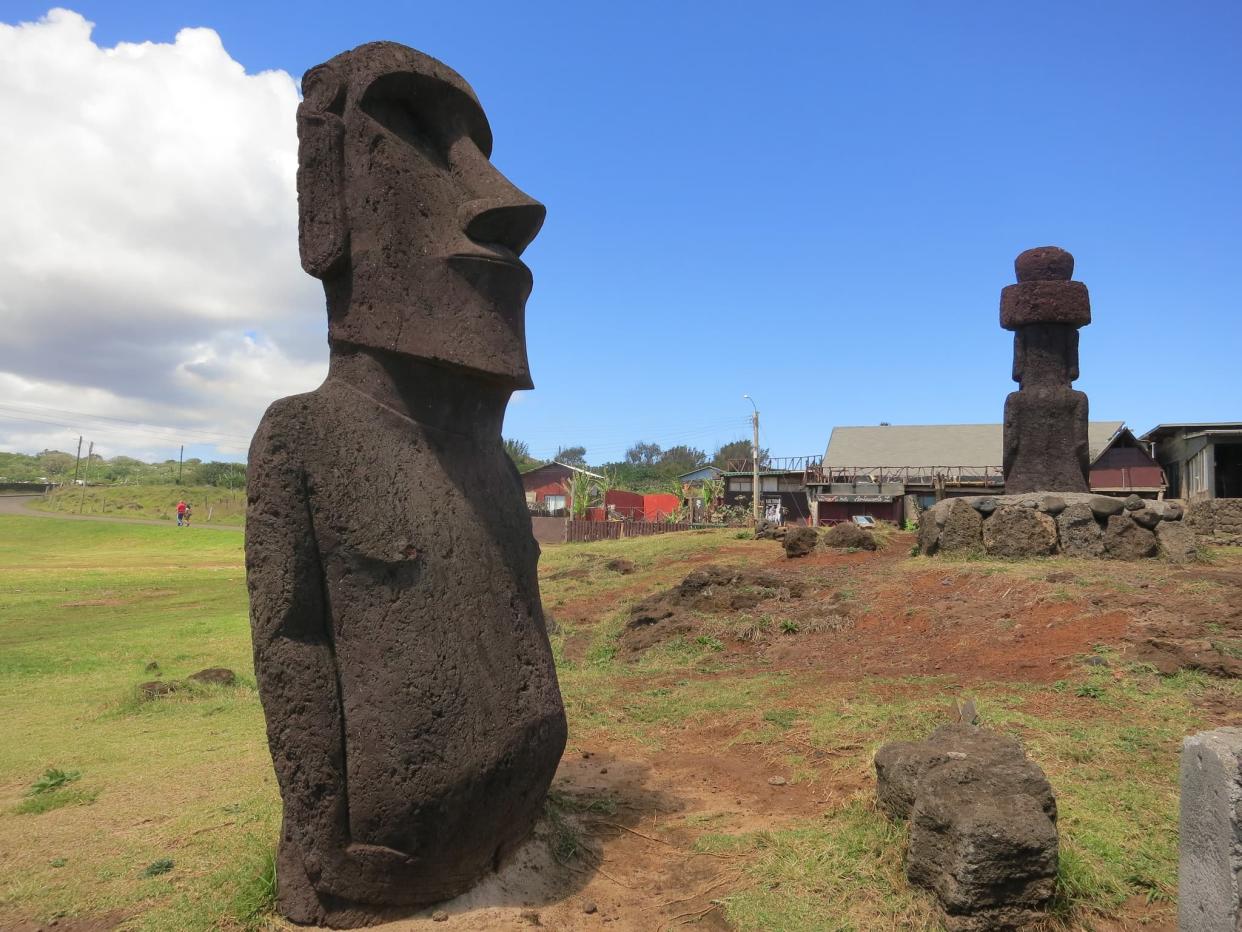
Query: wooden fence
{"points": [[581, 531]]}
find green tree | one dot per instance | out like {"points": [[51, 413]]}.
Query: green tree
{"points": [[571, 456], [737, 450], [681, 458], [643, 454]]}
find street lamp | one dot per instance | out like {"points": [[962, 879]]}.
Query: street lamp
{"points": [[754, 462]]}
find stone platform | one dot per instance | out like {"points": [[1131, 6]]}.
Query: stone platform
{"points": [[1076, 524]]}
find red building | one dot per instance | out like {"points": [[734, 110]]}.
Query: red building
{"points": [[547, 487]]}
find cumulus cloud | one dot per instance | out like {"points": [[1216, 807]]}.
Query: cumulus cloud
{"points": [[148, 254]]}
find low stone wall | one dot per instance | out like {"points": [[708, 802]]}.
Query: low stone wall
{"points": [[1217, 520], [1075, 524]]}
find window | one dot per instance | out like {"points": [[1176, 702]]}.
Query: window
{"points": [[767, 483], [739, 485], [554, 502]]}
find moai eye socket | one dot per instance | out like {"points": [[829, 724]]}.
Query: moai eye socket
{"points": [[403, 120]]}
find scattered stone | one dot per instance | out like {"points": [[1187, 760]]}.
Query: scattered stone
{"points": [[1209, 880], [1125, 540], [1177, 542], [847, 535], [929, 533], [1016, 532], [439, 916], [1052, 504], [1104, 506], [776, 781], [624, 567], [1132, 502], [1079, 533], [1146, 517], [963, 528], [589, 907], [985, 505], [158, 688], [1096, 662], [1173, 511], [152, 666], [983, 831], [218, 676], [799, 541]]}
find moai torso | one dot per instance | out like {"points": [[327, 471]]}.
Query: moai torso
{"points": [[401, 654], [1045, 429]]}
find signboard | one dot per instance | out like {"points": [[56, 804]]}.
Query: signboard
{"points": [[861, 499]]}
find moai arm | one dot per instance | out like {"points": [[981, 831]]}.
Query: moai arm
{"points": [[1082, 446], [295, 666], [1010, 432]]}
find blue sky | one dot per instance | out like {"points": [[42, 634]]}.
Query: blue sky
{"points": [[818, 204]]}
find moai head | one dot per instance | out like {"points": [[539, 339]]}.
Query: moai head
{"points": [[1045, 310], [413, 231]]}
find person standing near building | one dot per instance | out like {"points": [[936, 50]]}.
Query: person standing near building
{"points": [[181, 509]]}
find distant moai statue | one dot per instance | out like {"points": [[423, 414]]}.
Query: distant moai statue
{"points": [[413, 712], [1045, 442]]}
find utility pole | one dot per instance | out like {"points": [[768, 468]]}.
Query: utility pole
{"points": [[86, 480], [77, 460], [754, 462], [180, 461]]}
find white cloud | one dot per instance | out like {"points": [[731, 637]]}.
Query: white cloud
{"points": [[148, 251]]}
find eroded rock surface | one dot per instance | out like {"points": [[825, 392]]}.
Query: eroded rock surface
{"points": [[983, 831], [412, 707]]}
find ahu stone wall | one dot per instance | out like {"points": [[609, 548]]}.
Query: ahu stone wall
{"points": [[1217, 520], [1075, 524]]}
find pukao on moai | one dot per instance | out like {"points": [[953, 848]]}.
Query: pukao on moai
{"points": [[412, 706], [1045, 441]]}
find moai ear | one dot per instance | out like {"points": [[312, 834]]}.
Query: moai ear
{"points": [[323, 234], [1071, 355], [1019, 356]]}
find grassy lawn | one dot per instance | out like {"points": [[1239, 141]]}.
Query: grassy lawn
{"points": [[211, 504], [165, 812]]}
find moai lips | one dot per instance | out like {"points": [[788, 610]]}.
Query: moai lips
{"points": [[402, 658], [1045, 446]]}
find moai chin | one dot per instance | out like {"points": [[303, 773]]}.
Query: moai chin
{"points": [[1045, 445], [403, 663]]}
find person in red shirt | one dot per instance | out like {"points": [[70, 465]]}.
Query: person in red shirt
{"points": [[180, 513]]}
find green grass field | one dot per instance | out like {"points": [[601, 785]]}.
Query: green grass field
{"points": [[165, 812], [211, 504]]}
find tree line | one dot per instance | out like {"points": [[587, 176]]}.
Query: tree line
{"points": [[646, 467], [57, 466]]}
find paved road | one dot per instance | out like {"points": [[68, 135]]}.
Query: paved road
{"points": [[17, 505]]}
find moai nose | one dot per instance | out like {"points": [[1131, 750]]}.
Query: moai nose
{"points": [[511, 222]]}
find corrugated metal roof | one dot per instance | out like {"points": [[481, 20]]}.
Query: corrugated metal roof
{"points": [[935, 444], [1162, 430]]}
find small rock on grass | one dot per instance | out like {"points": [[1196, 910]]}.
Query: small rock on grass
{"points": [[777, 781], [220, 676], [439, 916]]}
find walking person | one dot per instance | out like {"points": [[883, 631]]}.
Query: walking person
{"points": [[182, 508], [188, 511]]}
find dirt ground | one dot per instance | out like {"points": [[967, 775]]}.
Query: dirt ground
{"points": [[862, 617]]}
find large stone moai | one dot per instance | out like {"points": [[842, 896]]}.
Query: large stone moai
{"points": [[1045, 445], [412, 706]]}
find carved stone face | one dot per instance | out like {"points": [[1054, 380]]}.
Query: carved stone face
{"points": [[415, 233]]}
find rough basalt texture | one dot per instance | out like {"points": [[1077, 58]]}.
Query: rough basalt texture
{"points": [[1209, 881], [983, 832], [1070, 523], [847, 535], [400, 648], [800, 541], [1017, 531], [1045, 429], [1217, 520], [962, 529]]}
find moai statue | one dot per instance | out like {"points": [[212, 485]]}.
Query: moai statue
{"points": [[412, 706], [1046, 419]]}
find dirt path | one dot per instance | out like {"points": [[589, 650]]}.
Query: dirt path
{"points": [[20, 505]]}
